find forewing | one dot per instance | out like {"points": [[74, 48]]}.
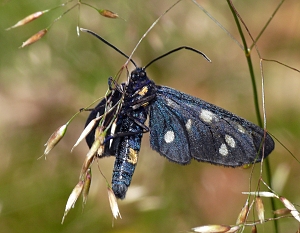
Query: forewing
{"points": [[183, 127]]}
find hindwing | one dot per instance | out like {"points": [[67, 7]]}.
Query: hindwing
{"points": [[102, 108]]}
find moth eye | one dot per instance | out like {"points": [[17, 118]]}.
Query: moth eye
{"points": [[135, 76], [142, 74]]}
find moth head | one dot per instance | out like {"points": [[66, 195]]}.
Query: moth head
{"points": [[138, 74]]}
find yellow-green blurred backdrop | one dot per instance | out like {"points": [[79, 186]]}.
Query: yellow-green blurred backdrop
{"points": [[44, 84]]}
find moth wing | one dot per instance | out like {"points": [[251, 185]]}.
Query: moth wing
{"points": [[183, 127], [108, 102]]}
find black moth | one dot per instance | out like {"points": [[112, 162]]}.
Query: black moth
{"points": [[181, 128]]}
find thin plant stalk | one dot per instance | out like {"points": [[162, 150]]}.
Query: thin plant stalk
{"points": [[267, 24], [255, 96]]}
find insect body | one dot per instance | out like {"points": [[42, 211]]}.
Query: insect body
{"points": [[182, 127], [139, 91]]}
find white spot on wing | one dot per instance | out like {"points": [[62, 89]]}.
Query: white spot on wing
{"points": [[230, 141], [169, 136], [188, 124], [241, 128], [206, 115], [223, 150], [172, 103]]}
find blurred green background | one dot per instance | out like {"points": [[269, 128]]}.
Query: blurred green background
{"points": [[44, 84]]}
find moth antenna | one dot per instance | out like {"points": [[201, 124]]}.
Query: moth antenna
{"points": [[107, 43], [175, 50]]}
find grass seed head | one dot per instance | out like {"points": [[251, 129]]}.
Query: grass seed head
{"points": [[55, 138], [282, 212], [291, 207], [27, 19], [108, 14], [85, 132], [260, 209], [86, 186], [287, 203], [89, 159], [212, 228], [34, 38], [254, 229], [113, 203], [243, 214], [73, 198]]}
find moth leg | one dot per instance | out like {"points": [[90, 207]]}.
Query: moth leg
{"points": [[142, 102], [123, 134], [145, 129], [136, 121]]}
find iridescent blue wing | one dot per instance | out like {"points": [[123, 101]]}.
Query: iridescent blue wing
{"points": [[183, 127]]}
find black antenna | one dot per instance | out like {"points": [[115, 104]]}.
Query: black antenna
{"points": [[109, 44], [175, 50]]}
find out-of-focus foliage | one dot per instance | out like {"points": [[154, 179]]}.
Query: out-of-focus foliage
{"points": [[44, 84]]}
